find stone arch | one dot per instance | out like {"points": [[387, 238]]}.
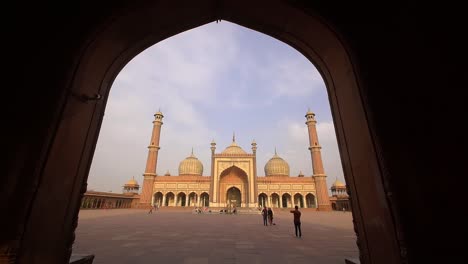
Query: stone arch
{"points": [[311, 201], [263, 200], [181, 199], [192, 199], [233, 197], [105, 51], [233, 177], [170, 199], [299, 200], [275, 200], [204, 199], [158, 198], [286, 201]]}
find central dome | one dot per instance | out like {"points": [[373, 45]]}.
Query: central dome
{"points": [[276, 166], [191, 166], [233, 148]]}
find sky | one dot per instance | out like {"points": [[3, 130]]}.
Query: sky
{"points": [[211, 82]]}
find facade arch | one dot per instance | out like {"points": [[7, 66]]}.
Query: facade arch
{"points": [[181, 199], [158, 198], [275, 200], [237, 178], [204, 199], [286, 200], [170, 199], [299, 200], [263, 200], [311, 201], [192, 199]]}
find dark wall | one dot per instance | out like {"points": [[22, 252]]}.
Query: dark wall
{"points": [[410, 59], [43, 41]]}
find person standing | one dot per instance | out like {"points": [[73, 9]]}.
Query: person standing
{"points": [[270, 216], [297, 221], [265, 216]]}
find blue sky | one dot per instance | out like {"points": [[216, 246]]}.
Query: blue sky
{"points": [[209, 82]]}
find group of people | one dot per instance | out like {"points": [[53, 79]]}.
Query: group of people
{"points": [[268, 218], [200, 210]]}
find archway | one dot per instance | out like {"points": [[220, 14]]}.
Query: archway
{"points": [[275, 200], [263, 200], [233, 197], [170, 197], [204, 200], [104, 52], [299, 200], [158, 199], [181, 199], [310, 201], [286, 200], [234, 176], [192, 199]]}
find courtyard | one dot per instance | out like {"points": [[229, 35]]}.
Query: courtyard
{"points": [[172, 235]]}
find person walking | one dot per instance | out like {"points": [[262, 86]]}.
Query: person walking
{"points": [[270, 216], [151, 210], [265, 216], [297, 221]]}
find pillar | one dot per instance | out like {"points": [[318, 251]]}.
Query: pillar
{"points": [[317, 165], [151, 162]]}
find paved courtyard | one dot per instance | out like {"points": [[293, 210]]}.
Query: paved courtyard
{"points": [[177, 236]]}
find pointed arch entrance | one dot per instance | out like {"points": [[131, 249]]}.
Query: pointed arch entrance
{"points": [[158, 199], [233, 197], [204, 199], [263, 200], [108, 47], [231, 179]]}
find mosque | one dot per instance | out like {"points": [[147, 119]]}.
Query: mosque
{"points": [[232, 181], [232, 178]]}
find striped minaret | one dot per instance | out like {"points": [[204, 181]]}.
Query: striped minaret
{"points": [[319, 176], [152, 161]]}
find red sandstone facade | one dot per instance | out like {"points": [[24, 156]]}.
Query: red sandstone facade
{"points": [[233, 180]]}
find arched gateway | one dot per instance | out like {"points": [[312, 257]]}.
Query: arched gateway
{"points": [[233, 197]]}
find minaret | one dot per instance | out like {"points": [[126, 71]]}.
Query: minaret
{"points": [[254, 152], [213, 148], [319, 176], [152, 161]]}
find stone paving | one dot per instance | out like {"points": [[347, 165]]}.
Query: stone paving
{"points": [[178, 236]]}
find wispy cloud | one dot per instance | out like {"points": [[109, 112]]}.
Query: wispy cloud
{"points": [[209, 82]]}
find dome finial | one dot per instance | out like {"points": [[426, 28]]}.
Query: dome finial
{"points": [[233, 137], [275, 151]]}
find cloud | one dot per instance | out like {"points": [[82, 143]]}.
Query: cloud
{"points": [[208, 82]]}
